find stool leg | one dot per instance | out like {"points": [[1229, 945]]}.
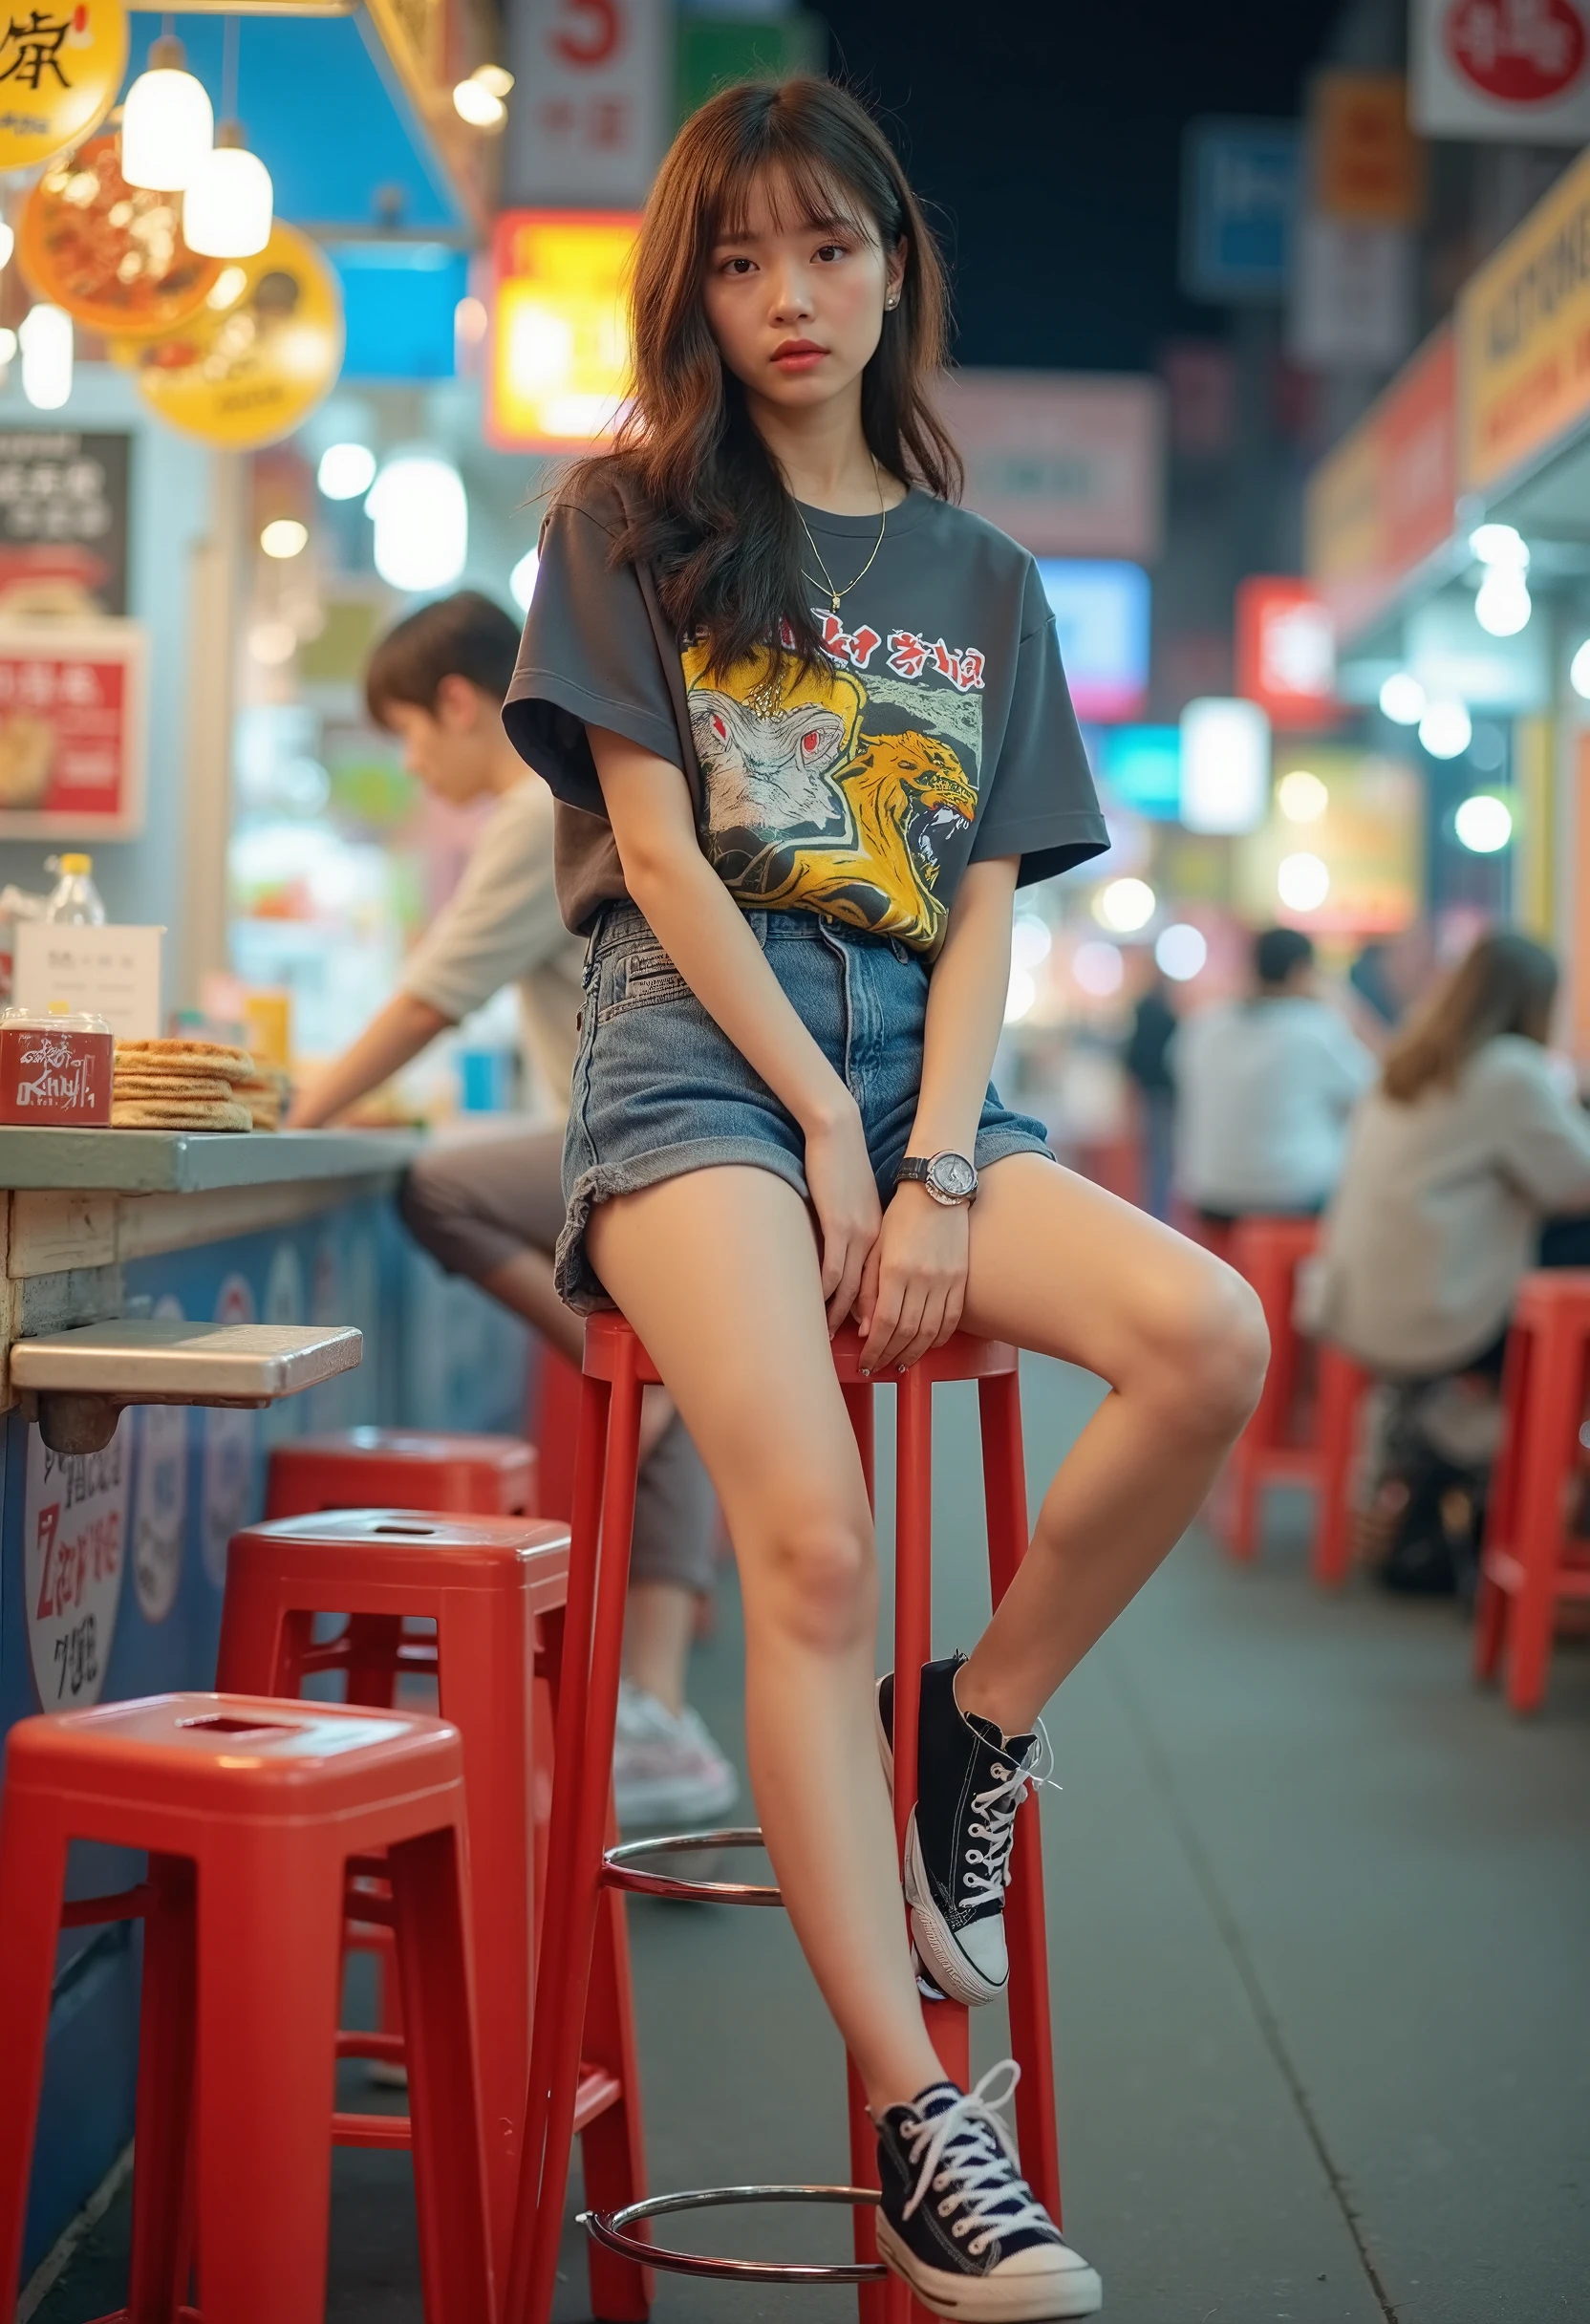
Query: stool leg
{"points": [[269, 1961], [444, 2114], [871, 2299], [32, 1869], [268, 1986], [162, 2237], [1031, 2029], [1551, 1432], [612, 2152], [948, 2023], [1501, 1514], [582, 1794], [1340, 1392]]}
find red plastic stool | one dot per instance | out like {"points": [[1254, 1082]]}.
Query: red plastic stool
{"points": [[1341, 1385], [494, 1588], [616, 1368], [1269, 1252], [255, 1817], [488, 1477], [1531, 1564], [555, 1426]]}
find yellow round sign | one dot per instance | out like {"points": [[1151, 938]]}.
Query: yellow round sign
{"points": [[263, 351], [61, 68], [112, 254]]}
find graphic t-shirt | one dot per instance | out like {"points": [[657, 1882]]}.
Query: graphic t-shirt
{"points": [[936, 732]]}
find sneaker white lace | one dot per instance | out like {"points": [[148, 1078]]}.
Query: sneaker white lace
{"points": [[666, 1768]]}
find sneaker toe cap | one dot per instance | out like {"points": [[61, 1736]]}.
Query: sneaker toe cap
{"points": [[983, 1943], [1044, 2260]]}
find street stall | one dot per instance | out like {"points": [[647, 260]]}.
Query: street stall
{"points": [[162, 336], [1449, 533]]}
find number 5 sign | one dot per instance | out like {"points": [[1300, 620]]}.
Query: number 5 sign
{"points": [[593, 101]]}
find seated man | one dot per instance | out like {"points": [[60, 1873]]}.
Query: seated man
{"points": [[492, 1209], [1264, 1087]]}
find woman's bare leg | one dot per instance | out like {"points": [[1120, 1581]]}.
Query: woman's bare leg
{"points": [[718, 1273], [1062, 1267]]}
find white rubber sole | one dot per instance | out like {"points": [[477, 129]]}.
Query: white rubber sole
{"points": [[937, 1950], [987, 2299]]}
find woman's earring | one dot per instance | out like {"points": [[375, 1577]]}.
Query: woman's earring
{"points": [[892, 302]]}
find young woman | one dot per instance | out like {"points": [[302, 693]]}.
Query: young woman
{"points": [[808, 727]]}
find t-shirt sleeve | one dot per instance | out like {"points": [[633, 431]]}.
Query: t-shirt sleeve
{"points": [[501, 920], [1040, 805], [588, 657]]}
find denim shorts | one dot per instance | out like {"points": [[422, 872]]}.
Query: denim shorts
{"points": [[658, 1090]]}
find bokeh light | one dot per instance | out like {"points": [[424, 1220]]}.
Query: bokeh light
{"points": [[1181, 951], [1302, 882]]}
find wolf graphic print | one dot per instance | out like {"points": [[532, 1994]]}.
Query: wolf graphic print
{"points": [[840, 789]]}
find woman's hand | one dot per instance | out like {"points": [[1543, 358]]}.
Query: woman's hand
{"points": [[845, 1196], [915, 1281]]}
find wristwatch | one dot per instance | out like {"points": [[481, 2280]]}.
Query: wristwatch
{"points": [[949, 1178]]}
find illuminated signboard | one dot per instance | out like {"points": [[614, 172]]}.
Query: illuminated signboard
{"points": [[558, 364], [1142, 765], [1101, 610]]}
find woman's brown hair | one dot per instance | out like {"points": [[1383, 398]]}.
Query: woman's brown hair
{"points": [[1506, 984], [710, 513]]}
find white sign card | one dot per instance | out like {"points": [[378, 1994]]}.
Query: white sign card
{"points": [[74, 1544], [114, 971], [1514, 70], [589, 119], [1352, 295]]}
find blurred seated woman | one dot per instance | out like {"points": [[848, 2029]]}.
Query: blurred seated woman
{"points": [[1454, 1163]]}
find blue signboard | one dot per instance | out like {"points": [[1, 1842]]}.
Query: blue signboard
{"points": [[1142, 765], [1101, 610], [1240, 185]]}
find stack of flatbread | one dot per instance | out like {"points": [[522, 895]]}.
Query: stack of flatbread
{"points": [[179, 1085], [265, 1090]]}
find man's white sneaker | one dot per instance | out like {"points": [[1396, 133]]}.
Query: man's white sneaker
{"points": [[666, 1768]]}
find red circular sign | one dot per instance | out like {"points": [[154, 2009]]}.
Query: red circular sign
{"points": [[1523, 52]]}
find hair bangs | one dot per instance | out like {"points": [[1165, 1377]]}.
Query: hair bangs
{"points": [[799, 191]]}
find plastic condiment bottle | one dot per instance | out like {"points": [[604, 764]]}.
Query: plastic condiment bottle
{"points": [[75, 901]]}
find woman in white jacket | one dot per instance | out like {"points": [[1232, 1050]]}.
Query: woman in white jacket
{"points": [[1453, 1163]]}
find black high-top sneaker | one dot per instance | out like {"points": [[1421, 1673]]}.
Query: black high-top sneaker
{"points": [[961, 2224], [970, 1781]]}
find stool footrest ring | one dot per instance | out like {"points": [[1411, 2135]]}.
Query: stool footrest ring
{"points": [[611, 2230], [625, 1867]]}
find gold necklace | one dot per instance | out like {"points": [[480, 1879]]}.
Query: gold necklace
{"points": [[835, 595]]}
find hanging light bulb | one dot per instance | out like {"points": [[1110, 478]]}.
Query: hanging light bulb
{"points": [[227, 208], [46, 337], [167, 122]]}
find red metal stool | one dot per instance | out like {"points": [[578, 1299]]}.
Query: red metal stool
{"points": [[494, 1588], [1269, 1252], [582, 1876], [369, 1468], [488, 1477], [1341, 1385], [1531, 1564], [255, 1815]]}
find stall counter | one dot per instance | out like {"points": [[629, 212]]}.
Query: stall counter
{"points": [[112, 1565]]}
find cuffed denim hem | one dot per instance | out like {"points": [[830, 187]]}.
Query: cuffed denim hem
{"points": [[577, 1281]]}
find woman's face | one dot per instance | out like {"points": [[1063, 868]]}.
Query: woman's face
{"points": [[797, 312]]}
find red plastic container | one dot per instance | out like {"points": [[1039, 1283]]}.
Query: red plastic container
{"points": [[54, 1070]]}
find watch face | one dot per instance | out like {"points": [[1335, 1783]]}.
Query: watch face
{"points": [[952, 1175]]}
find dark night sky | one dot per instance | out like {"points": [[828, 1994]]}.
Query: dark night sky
{"points": [[1047, 134]]}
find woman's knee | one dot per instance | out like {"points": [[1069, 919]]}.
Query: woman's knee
{"points": [[1205, 1351], [820, 1573]]}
